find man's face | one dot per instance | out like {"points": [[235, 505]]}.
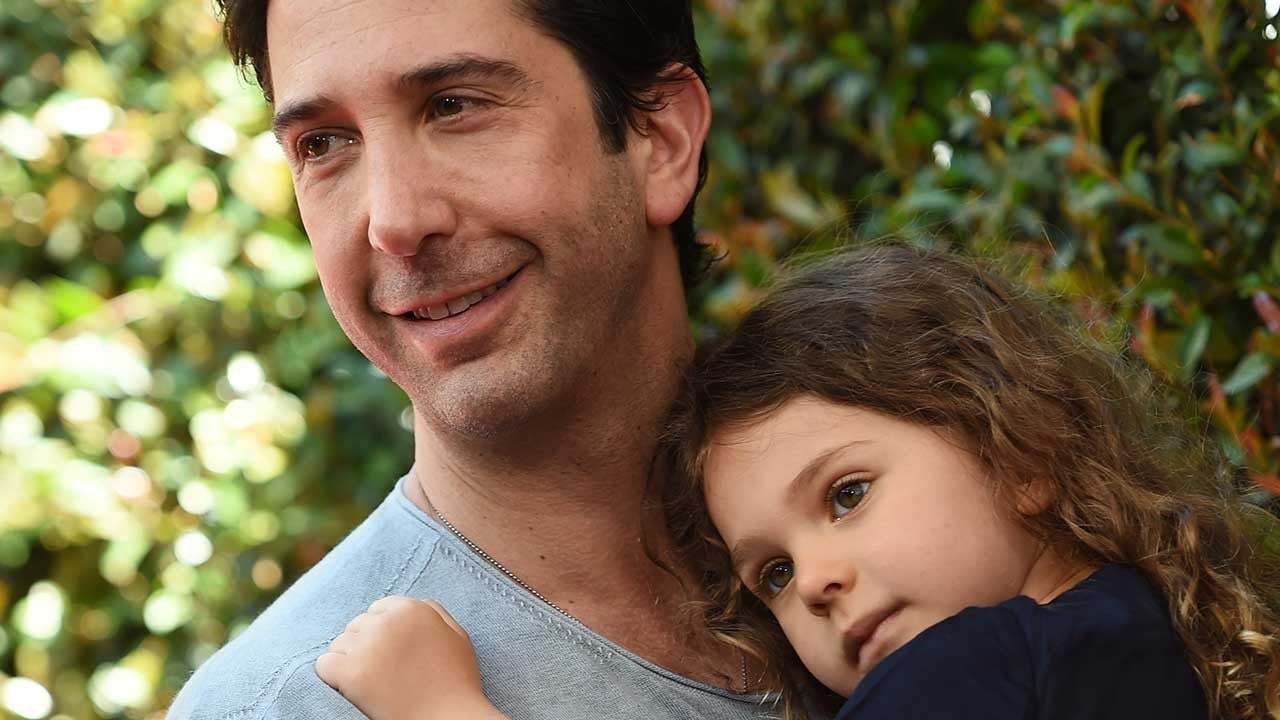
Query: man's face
{"points": [[473, 236]]}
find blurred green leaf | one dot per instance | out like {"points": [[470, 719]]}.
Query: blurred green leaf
{"points": [[1251, 370], [1195, 339], [1171, 243], [72, 301], [1203, 156]]}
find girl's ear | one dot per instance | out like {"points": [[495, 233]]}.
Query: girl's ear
{"points": [[674, 135], [1033, 497]]}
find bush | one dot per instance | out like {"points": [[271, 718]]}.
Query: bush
{"points": [[1123, 154], [184, 430]]}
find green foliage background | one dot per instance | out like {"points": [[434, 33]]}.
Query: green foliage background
{"points": [[184, 430]]}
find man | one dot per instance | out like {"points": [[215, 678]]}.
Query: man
{"points": [[499, 196]]}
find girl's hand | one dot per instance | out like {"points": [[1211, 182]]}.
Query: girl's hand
{"points": [[406, 659]]}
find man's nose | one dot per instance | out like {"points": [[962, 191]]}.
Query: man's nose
{"points": [[823, 578], [406, 205]]}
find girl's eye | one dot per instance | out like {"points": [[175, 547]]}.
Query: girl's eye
{"points": [[315, 147], [846, 493], [775, 576]]}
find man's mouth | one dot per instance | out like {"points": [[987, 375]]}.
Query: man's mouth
{"points": [[458, 305]]}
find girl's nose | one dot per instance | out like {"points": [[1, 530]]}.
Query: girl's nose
{"points": [[824, 581]]}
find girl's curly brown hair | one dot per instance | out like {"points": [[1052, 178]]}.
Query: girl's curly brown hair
{"points": [[950, 343]]}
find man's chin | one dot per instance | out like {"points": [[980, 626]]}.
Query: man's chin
{"points": [[484, 406]]}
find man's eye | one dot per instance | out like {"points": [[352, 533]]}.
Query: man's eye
{"points": [[446, 106], [314, 147]]}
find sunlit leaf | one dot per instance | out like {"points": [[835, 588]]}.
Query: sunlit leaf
{"points": [[1251, 370]]}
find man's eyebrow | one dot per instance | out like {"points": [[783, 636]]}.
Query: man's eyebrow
{"points": [[809, 471], [299, 111], [468, 66], [453, 67]]}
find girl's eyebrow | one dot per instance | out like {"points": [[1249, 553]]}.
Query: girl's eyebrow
{"points": [[748, 547], [814, 466], [744, 550]]}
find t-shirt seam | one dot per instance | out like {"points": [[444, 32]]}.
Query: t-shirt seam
{"points": [[427, 538], [559, 624], [393, 585], [294, 663], [542, 614], [484, 574], [466, 560], [291, 664]]}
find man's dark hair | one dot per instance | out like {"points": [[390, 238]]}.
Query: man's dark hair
{"points": [[628, 50]]}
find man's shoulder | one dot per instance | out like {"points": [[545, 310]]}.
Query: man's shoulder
{"points": [[267, 671]]}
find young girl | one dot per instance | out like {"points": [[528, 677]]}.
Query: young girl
{"points": [[914, 491]]}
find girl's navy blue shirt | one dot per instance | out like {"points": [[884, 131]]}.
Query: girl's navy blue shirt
{"points": [[1103, 650]]}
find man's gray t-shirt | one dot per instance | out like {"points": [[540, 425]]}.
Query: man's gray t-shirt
{"points": [[535, 662]]}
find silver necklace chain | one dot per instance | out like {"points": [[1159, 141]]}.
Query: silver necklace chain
{"points": [[500, 567], [746, 685]]}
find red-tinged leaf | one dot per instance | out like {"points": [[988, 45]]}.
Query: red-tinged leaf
{"points": [[1218, 403], [1268, 310], [1066, 103], [1144, 331], [1267, 481], [1251, 440], [1261, 142], [1193, 9], [715, 240], [1190, 99]]}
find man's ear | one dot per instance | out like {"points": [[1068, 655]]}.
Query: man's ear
{"points": [[674, 134]]}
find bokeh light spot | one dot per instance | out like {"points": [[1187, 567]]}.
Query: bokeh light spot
{"points": [[195, 497], [26, 698], [83, 117], [79, 407], [981, 100], [291, 304], [942, 154], [29, 207], [20, 426], [131, 483], [113, 688], [245, 373], [141, 419], [21, 138], [192, 548], [166, 611], [150, 202], [202, 197], [267, 574], [215, 134], [39, 615]]}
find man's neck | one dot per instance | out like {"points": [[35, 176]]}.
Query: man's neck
{"points": [[574, 522], [597, 562], [562, 511]]}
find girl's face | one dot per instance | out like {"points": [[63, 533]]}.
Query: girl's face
{"points": [[859, 531]]}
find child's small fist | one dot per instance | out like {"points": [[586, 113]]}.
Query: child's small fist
{"points": [[405, 658]]}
